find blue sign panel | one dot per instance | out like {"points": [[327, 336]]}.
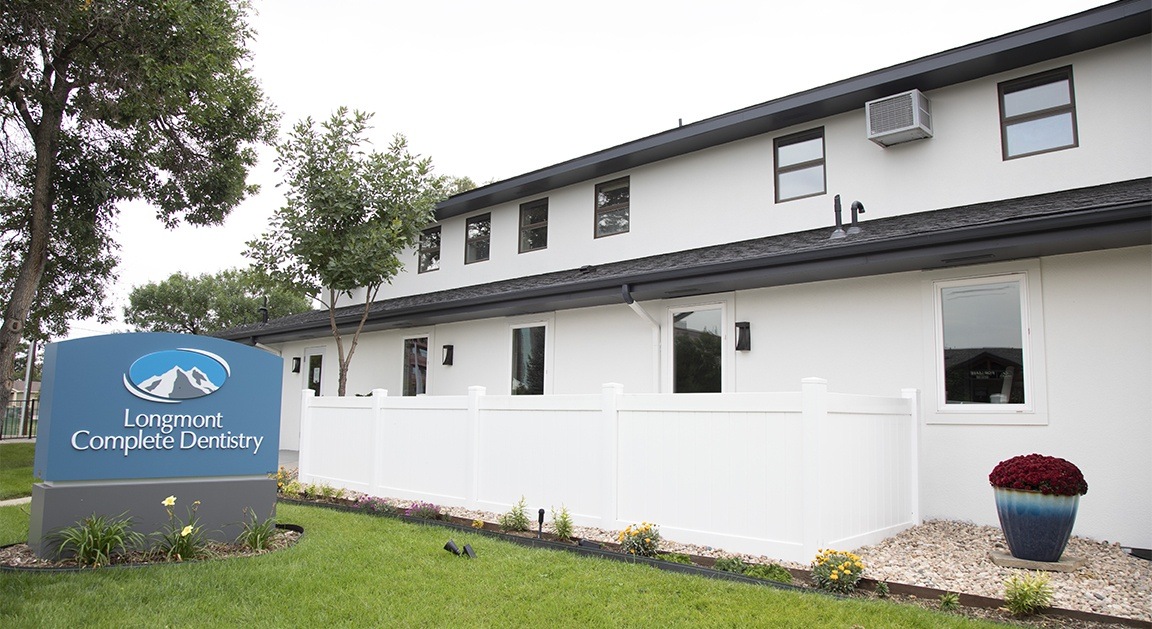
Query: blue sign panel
{"points": [[157, 405]]}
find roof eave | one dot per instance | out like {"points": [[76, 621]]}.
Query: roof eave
{"points": [[1113, 227]]}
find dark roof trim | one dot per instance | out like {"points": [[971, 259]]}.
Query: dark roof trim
{"points": [[1103, 217], [1076, 33]]}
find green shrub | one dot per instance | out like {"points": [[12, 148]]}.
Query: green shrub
{"points": [[516, 519], [837, 570], [680, 558], [562, 523], [256, 535], [882, 589], [769, 572], [642, 540], [731, 564], [1026, 594], [949, 601], [97, 538]]}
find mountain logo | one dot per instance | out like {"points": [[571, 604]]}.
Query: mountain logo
{"points": [[174, 375]]}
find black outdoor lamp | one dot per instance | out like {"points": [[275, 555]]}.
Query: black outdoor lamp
{"points": [[448, 350], [743, 336]]}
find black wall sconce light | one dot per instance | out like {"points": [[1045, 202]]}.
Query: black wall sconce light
{"points": [[296, 365], [448, 351], [743, 336]]}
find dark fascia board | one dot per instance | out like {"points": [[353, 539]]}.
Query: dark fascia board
{"points": [[1076, 33], [1119, 226]]}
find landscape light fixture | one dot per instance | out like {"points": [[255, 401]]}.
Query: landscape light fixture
{"points": [[468, 552], [451, 547], [540, 525], [448, 350], [296, 365], [743, 336]]}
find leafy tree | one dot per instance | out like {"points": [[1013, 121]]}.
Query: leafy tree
{"points": [[349, 212], [102, 102], [207, 303]]}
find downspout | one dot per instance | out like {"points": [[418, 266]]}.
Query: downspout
{"points": [[626, 293]]}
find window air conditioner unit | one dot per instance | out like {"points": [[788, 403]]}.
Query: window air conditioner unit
{"points": [[899, 118]]}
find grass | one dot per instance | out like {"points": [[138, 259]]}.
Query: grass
{"points": [[16, 469], [354, 570]]}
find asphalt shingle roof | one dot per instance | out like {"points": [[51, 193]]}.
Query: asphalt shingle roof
{"points": [[1069, 209]]}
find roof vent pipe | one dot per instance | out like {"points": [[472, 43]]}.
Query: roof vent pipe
{"points": [[839, 233], [857, 209]]}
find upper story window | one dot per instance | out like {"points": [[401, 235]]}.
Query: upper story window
{"points": [[477, 238], [799, 165], [1038, 114], [534, 225], [612, 199], [429, 250]]}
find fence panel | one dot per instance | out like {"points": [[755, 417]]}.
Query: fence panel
{"points": [[15, 425], [776, 474]]}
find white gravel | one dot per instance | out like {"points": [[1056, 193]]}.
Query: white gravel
{"points": [[953, 556]]}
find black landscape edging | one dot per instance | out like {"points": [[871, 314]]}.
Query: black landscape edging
{"points": [[27, 569], [866, 584], [575, 547]]}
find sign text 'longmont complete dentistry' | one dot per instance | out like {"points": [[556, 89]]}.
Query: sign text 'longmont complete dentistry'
{"points": [[157, 405]]}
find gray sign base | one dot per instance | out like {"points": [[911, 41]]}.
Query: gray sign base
{"points": [[221, 510]]}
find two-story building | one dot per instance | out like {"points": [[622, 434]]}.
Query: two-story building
{"points": [[975, 224]]}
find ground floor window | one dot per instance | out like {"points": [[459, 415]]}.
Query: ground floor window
{"points": [[983, 340], [697, 350], [416, 365], [528, 360], [315, 370]]}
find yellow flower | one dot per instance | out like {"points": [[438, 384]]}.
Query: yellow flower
{"points": [[187, 530], [169, 501], [834, 576]]}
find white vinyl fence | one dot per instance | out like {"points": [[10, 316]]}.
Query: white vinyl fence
{"points": [[774, 474]]}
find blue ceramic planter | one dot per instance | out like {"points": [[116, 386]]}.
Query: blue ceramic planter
{"points": [[1037, 526]]}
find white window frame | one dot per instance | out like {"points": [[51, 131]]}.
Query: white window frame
{"points": [[548, 323], [1034, 410], [727, 340]]}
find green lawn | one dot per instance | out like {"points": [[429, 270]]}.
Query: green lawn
{"points": [[354, 570], [16, 469]]}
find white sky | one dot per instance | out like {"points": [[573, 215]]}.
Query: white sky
{"points": [[498, 88]]}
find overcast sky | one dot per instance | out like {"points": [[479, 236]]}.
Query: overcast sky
{"points": [[498, 88]]}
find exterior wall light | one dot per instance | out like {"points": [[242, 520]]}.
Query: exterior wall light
{"points": [[296, 365], [448, 354], [743, 336]]}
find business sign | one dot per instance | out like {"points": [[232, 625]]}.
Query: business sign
{"points": [[157, 405]]}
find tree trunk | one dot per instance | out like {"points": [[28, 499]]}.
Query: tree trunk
{"points": [[36, 257]]}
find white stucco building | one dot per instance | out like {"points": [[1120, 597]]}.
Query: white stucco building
{"points": [[1003, 265]]}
